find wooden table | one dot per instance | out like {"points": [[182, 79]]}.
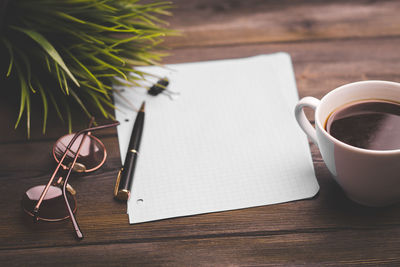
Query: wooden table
{"points": [[331, 43]]}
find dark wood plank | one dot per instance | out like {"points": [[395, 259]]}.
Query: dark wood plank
{"points": [[103, 220], [350, 247], [212, 23]]}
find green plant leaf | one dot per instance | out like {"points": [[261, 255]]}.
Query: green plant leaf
{"points": [[53, 100], [103, 63], [25, 100], [84, 68], [49, 48], [47, 63], [45, 105], [59, 79], [10, 51], [98, 104], [79, 101], [27, 67], [86, 84], [69, 117], [65, 82]]}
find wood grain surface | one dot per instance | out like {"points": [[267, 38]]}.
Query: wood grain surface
{"points": [[331, 43]]}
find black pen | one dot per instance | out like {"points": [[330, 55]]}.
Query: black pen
{"points": [[125, 175]]}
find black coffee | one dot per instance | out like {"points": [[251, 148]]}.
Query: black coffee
{"points": [[369, 124]]}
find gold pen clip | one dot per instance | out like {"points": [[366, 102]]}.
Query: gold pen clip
{"points": [[117, 182]]}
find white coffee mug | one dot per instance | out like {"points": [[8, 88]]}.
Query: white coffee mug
{"points": [[368, 177]]}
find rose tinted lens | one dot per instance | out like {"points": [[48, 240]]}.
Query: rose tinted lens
{"points": [[91, 156], [53, 207]]}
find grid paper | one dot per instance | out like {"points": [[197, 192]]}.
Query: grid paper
{"points": [[229, 141]]}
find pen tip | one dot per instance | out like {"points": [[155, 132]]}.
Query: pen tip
{"points": [[142, 107]]}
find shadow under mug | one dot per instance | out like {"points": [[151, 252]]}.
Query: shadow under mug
{"points": [[368, 177]]}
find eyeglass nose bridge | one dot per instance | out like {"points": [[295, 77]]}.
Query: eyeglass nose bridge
{"points": [[78, 167], [70, 189]]}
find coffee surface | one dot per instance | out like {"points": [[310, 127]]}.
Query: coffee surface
{"points": [[368, 124]]}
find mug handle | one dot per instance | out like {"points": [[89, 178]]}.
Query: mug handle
{"points": [[301, 118]]}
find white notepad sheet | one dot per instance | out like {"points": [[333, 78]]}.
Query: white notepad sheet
{"points": [[228, 141]]}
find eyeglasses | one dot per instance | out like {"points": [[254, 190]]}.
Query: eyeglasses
{"points": [[56, 201]]}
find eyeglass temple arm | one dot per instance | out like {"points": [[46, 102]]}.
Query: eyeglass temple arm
{"points": [[71, 213], [78, 231], [36, 208]]}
